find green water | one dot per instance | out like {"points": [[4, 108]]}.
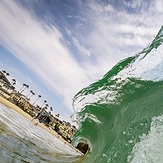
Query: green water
{"points": [[116, 114]]}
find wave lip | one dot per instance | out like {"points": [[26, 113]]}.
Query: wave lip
{"points": [[146, 65]]}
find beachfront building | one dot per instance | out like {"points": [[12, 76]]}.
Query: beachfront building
{"points": [[63, 128], [66, 130], [21, 101], [5, 86], [8, 91]]}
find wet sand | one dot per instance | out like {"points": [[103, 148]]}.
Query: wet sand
{"points": [[26, 115]]}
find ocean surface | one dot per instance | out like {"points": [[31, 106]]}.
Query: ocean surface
{"points": [[23, 142], [121, 115]]}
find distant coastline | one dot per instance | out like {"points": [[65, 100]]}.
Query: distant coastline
{"points": [[38, 115], [10, 105], [43, 112]]}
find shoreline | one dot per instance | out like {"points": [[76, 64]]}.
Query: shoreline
{"points": [[10, 105]]}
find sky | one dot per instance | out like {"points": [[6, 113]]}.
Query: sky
{"points": [[59, 47]]}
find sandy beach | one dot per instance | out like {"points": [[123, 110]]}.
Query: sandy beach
{"points": [[20, 111]]}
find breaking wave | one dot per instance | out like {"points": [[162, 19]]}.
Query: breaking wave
{"points": [[121, 115]]}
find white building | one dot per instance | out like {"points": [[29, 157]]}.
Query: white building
{"points": [[5, 86]]}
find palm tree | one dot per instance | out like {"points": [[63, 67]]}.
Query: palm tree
{"points": [[7, 74], [31, 94], [46, 106], [43, 103], [39, 96], [26, 86], [51, 109], [4, 72], [13, 82]]}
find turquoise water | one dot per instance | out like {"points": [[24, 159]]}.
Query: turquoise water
{"points": [[121, 115]]}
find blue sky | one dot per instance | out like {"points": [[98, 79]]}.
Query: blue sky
{"points": [[58, 47]]}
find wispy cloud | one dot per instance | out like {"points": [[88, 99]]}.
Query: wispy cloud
{"points": [[118, 32], [41, 48], [80, 47], [109, 33]]}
